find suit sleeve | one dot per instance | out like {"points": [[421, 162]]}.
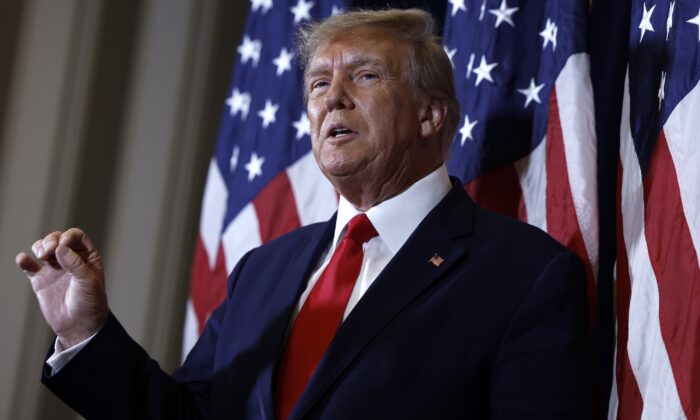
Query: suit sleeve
{"points": [[113, 377], [543, 369]]}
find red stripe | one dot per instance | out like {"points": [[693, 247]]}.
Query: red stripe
{"points": [[499, 190], [208, 286], [276, 208], [675, 264], [562, 222], [630, 399]]}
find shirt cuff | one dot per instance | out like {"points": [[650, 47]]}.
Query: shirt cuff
{"points": [[61, 355]]}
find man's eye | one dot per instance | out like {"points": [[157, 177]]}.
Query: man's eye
{"points": [[368, 76], [319, 84]]}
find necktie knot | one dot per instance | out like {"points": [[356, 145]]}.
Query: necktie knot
{"points": [[360, 229]]}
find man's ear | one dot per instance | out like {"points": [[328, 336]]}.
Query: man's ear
{"points": [[432, 117]]}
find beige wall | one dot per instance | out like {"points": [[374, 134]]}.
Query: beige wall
{"points": [[108, 114]]}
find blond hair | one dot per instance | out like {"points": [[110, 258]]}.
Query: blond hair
{"points": [[429, 68]]}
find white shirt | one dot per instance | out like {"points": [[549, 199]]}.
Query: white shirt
{"points": [[394, 219]]}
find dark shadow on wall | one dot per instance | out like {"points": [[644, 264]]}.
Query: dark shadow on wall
{"points": [[111, 75], [10, 19]]}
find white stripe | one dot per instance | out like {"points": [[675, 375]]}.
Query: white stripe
{"points": [[681, 129], [645, 346], [614, 402], [575, 99], [532, 171], [315, 196], [242, 235], [213, 211], [190, 331]]}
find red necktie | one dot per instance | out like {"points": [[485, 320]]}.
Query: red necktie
{"points": [[321, 315]]}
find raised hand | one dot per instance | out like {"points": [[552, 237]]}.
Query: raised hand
{"points": [[68, 280]]}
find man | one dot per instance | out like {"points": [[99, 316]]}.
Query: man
{"points": [[411, 302]]}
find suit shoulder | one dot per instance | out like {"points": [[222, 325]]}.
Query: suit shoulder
{"points": [[519, 258], [509, 233], [291, 240], [273, 256]]}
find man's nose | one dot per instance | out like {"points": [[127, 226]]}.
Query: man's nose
{"points": [[337, 96]]}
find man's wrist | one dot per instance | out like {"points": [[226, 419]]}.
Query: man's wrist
{"points": [[76, 337], [62, 354]]}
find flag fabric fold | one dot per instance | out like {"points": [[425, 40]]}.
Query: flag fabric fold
{"points": [[657, 364]]}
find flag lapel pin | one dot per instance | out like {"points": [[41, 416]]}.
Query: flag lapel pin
{"points": [[436, 260]]}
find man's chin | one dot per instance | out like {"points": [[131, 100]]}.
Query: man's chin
{"points": [[339, 170]]}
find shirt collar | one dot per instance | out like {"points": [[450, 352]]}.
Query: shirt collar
{"points": [[396, 218]]}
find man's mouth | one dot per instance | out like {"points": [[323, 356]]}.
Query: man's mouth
{"points": [[339, 131]]}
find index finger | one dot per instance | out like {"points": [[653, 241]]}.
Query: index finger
{"points": [[77, 240], [27, 263], [44, 248]]}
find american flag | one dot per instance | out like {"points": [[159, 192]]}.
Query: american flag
{"points": [[657, 372], [262, 181], [526, 144]]}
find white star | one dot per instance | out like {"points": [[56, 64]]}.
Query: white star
{"points": [[549, 34], [470, 66], [284, 61], [268, 114], [696, 21], [336, 10], [303, 126], [254, 167], [482, 10], [466, 130], [450, 54], [669, 19], [532, 93], [301, 10], [484, 71], [239, 102], [250, 49], [504, 14], [645, 24], [661, 93], [264, 4], [457, 5], [234, 158]]}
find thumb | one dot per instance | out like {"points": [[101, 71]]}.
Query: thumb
{"points": [[71, 262]]}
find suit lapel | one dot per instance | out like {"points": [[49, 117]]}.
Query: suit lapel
{"points": [[408, 274], [283, 301]]}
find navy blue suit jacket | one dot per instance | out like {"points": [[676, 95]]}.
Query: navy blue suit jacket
{"points": [[499, 330]]}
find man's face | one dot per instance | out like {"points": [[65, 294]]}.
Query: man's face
{"points": [[364, 115]]}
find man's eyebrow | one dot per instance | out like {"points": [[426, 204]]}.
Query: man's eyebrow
{"points": [[352, 63], [367, 61]]}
